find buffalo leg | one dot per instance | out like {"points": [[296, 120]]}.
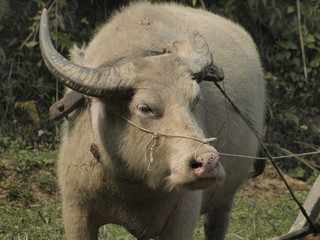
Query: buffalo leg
{"points": [[183, 224], [79, 225], [216, 223]]}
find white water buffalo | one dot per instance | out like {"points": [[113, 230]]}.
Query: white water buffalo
{"points": [[138, 151]]}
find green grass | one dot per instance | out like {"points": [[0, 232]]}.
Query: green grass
{"points": [[253, 220], [38, 221], [30, 207], [250, 220]]}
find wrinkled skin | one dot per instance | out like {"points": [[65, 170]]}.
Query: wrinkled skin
{"points": [[160, 193]]}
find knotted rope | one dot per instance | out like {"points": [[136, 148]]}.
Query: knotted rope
{"points": [[154, 140]]}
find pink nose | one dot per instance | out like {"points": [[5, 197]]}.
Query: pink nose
{"points": [[206, 165]]}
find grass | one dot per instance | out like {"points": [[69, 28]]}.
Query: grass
{"points": [[38, 221], [253, 220], [30, 207], [250, 220]]}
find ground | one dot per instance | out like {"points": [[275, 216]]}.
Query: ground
{"points": [[268, 186], [31, 209]]}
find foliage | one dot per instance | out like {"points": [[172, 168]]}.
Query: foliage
{"points": [[31, 109], [29, 158], [24, 81], [4, 7]]}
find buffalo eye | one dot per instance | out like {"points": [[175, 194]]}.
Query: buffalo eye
{"points": [[144, 108]]}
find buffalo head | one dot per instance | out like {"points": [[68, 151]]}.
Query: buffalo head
{"points": [[146, 111]]}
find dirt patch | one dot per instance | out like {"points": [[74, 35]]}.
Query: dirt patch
{"points": [[268, 186], [25, 187]]}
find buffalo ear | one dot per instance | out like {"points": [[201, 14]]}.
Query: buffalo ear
{"points": [[204, 68], [182, 49], [179, 48]]}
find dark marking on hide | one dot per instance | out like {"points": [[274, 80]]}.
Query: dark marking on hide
{"points": [[95, 151]]}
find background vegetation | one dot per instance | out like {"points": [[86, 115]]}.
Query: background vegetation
{"points": [[291, 63], [287, 37]]}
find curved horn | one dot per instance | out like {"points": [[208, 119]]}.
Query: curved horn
{"points": [[97, 82]]}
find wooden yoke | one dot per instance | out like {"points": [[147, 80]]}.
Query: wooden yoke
{"points": [[71, 101]]}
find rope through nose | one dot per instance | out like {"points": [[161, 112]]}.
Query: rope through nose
{"points": [[157, 135], [205, 141]]}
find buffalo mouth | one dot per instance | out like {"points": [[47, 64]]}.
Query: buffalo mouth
{"points": [[206, 170], [196, 178], [215, 176]]}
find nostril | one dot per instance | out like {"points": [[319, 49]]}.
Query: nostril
{"points": [[195, 164]]}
